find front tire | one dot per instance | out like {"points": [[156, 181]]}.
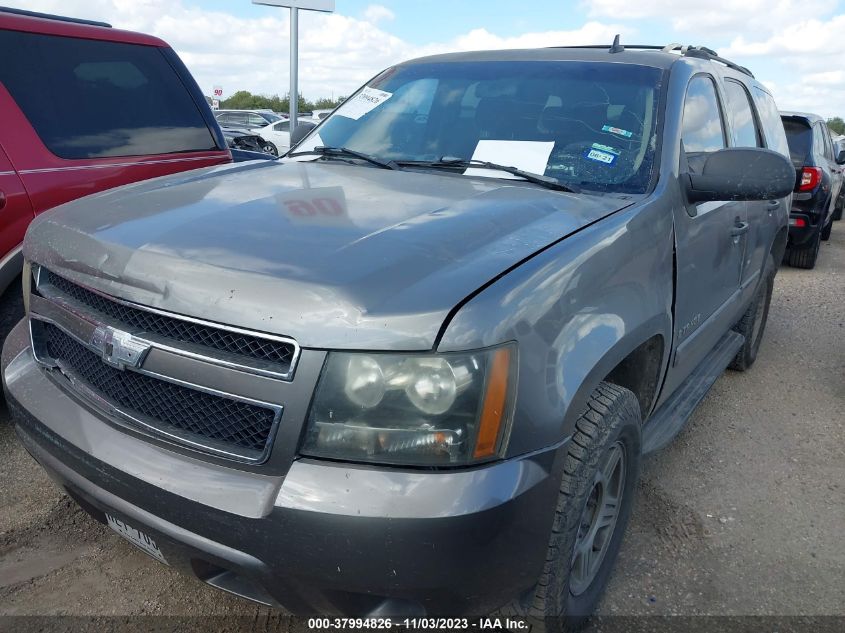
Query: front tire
{"points": [[269, 148], [594, 504], [752, 325]]}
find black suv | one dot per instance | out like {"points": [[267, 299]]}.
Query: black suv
{"points": [[818, 186]]}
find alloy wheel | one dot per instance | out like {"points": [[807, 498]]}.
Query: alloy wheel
{"points": [[598, 519]]}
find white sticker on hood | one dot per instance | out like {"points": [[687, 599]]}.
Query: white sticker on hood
{"points": [[530, 156], [362, 103]]}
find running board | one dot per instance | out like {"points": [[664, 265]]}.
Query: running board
{"points": [[670, 419]]}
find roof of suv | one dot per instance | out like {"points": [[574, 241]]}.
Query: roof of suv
{"points": [[31, 22], [812, 118], [645, 55]]}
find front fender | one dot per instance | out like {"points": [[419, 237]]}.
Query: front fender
{"points": [[575, 310]]}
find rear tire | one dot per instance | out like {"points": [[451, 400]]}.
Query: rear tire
{"points": [[271, 149], [837, 211], [805, 257], [752, 325], [594, 504]]}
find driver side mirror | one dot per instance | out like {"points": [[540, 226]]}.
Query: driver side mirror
{"points": [[840, 158], [742, 173], [300, 132]]}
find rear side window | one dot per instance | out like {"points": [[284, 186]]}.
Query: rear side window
{"points": [[234, 118], [94, 99], [703, 130], [256, 120], [828, 143], [742, 116], [818, 141], [799, 135], [772, 125]]}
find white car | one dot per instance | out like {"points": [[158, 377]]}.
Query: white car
{"points": [[277, 136], [320, 115]]}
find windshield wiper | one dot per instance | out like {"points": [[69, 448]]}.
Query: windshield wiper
{"points": [[341, 152], [538, 179]]}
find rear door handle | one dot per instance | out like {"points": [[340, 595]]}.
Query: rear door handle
{"points": [[774, 204], [740, 228]]}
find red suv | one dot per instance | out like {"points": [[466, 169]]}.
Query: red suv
{"points": [[83, 108]]}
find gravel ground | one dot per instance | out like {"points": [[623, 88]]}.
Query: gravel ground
{"points": [[744, 514]]}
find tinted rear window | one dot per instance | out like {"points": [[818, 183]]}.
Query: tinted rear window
{"points": [[799, 135], [93, 99]]}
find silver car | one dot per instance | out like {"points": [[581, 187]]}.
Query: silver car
{"points": [[411, 368]]}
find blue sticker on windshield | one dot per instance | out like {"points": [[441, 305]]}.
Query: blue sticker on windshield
{"points": [[617, 130], [601, 157]]}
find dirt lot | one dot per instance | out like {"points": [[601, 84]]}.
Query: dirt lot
{"points": [[744, 514]]}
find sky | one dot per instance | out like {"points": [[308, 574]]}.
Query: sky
{"points": [[796, 47]]}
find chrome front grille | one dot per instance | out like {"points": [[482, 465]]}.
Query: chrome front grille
{"points": [[174, 409], [274, 353], [162, 374]]}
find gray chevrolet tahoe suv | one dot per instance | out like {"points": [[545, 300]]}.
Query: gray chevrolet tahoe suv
{"points": [[413, 367]]}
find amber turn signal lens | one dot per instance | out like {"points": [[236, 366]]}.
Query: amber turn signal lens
{"points": [[493, 413]]}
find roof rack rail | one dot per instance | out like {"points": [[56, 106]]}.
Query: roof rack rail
{"points": [[606, 47], [702, 52], [699, 52], [50, 16]]}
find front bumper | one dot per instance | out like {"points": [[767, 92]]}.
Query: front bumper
{"points": [[326, 538]]}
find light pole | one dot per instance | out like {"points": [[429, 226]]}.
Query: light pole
{"points": [[326, 6]]}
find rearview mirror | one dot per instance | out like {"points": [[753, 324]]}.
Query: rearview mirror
{"points": [[742, 173], [300, 132]]}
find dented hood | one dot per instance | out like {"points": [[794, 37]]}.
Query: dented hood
{"points": [[331, 254]]}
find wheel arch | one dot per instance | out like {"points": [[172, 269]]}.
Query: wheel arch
{"points": [[10, 267], [640, 372], [637, 361]]}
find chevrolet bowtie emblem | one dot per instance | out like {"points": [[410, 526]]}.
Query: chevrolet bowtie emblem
{"points": [[118, 348]]}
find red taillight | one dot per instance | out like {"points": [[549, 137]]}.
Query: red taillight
{"points": [[810, 178], [798, 222]]}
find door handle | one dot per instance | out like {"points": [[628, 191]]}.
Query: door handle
{"points": [[740, 228], [774, 204], [2, 200]]}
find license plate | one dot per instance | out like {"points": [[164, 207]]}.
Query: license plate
{"points": [[136, 537]]}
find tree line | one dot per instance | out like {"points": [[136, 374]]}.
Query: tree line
{"points": [[836, 125], [245, 100]]}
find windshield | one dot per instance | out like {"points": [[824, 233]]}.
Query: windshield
{"points": [[591, 124]]}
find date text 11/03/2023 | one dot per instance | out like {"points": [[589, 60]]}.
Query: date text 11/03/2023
{"points": [[428, 624]]}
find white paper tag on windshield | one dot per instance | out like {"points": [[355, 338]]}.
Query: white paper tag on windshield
{"points": [[365, 101], [530, 156]]}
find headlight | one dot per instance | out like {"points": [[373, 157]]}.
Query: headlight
{"points": [[413, 409]]}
